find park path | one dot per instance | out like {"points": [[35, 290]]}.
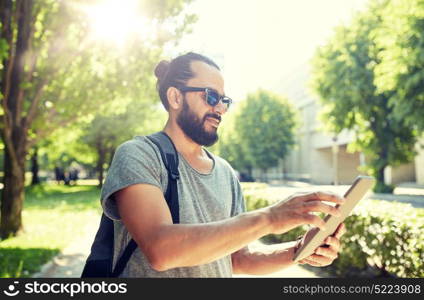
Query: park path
{"points": [[408, 192], [70, 262]]}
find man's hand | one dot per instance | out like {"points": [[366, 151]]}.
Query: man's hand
{"points": [[325, 254], [298, 210]]}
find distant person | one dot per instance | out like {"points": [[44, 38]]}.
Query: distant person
{"points": [[66, 178], [73, 176], [215, 229], [246, 177], [59, 175]]}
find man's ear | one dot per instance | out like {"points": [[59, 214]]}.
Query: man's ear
{"points": [[175, 98]]}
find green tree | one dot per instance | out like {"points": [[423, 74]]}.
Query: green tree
{"points": [[266, 127], [402, 59], [64, 149], [106, 132], [229, 145], [54, 73], [343, 79], [91, 144]]}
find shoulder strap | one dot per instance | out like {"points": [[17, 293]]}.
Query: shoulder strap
{"points": [[169, 157]]}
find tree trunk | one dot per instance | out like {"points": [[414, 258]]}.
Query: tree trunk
{"points": [[381, 186], [100, 163], [34, 167], [12, 197], [17, 23], [380, 176], [112, 153]]}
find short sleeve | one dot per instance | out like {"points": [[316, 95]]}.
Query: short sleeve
{"points": [[134, 162], [239, 205]]}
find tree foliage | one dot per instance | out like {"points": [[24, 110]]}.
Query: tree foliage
{"points": [[106, 132], [343, 78], [401, 69], [262, 132], [54, 73], [229, 145]]}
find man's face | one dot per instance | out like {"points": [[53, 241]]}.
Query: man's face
{"points": [[195, 127], [198, 120]]}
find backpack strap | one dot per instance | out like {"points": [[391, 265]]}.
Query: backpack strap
{"points": [[99, 265], [169, 157]]}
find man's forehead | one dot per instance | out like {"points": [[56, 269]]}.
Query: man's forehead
{"points": [[206, 75]]}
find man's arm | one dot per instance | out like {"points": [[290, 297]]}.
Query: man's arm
{"points": [[273, 258], [145, 214], [269, 260]]}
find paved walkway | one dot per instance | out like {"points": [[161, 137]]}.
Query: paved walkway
{"points": [[407, 192], [70, 262]]}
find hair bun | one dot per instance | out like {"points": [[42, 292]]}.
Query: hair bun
{"points": [[161, 69]]}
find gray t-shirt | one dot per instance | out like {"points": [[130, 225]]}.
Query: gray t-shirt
{"points": [[202, 198]]}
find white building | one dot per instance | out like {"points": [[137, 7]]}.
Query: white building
{"points": [[321, 158]]}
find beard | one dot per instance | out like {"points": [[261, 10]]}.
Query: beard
{"points": [[194, 127]]}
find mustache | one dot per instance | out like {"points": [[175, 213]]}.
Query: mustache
{"points": [[214, 116]]}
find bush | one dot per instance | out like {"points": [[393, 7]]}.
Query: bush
{"points": [[253, 186], [261, 197], [380, 234], [386, 235]]}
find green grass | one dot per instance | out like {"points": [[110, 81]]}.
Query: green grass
{"points": [[53, 217]]}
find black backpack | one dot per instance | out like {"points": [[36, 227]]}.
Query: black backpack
{"points": [[100, 261]]}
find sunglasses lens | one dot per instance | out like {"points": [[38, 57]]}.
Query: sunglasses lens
{"points": [[227, 102], [212, 98]]}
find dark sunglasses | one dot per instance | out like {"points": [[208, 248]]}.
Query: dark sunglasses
{"points": [[212, 97]]}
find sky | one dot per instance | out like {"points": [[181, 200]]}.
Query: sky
{"points": [[259, 43]]}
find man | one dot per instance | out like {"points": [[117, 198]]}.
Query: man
{"points": [[214, 231]]}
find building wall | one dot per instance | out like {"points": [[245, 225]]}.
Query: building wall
{"points": [[403, 173], [297, 165], [411, 172], [323, 169], [312, 159], [349, 164], [419, 163]]}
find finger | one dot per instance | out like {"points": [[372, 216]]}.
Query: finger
{"points": [[332, 242], [322, 196], [313, 220], [310, 262], [320, 260], [341, 229], [326, 252], [318, 206]]}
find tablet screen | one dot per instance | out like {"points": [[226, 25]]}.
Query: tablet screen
{"points": [[356, 192]]}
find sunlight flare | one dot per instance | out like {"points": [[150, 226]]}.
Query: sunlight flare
{"points": [[119, 21]]}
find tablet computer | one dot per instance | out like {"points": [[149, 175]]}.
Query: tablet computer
{"points": [[356, 192]]}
